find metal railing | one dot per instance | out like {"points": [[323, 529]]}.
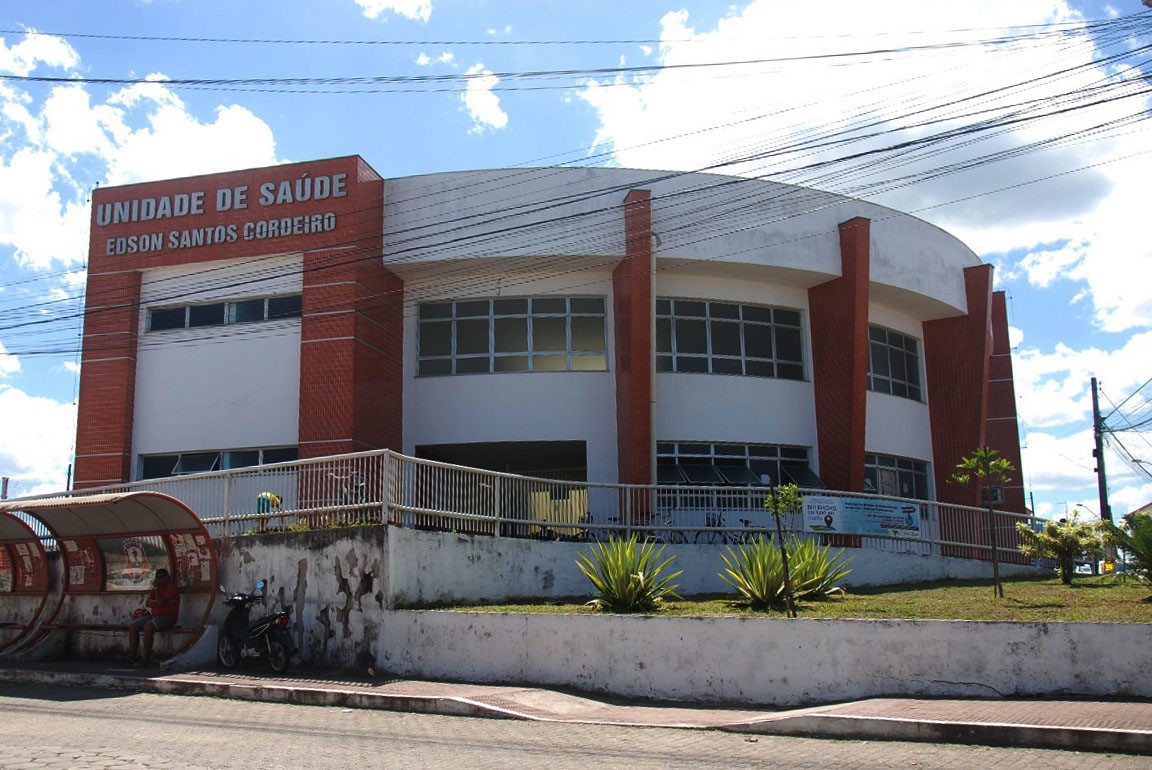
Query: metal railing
{"points": [[383, 486]]}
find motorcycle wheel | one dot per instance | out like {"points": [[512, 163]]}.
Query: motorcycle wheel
{"points": [[226, 652], [278, 656]]}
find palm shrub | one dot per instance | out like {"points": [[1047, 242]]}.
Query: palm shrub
{"points": [[816, 570], [756, 571], [1065, 541], [1134, 540], [628, 575]]}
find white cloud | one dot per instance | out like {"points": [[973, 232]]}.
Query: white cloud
{"points": [[482, 104], [417, 10], [34, 51], [9, 364], [446, 57], [35, 440]]}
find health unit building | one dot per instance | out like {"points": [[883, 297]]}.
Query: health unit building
{"points": [[609, 325]]}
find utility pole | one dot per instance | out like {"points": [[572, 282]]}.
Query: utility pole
{"points": [[1098, 453]]}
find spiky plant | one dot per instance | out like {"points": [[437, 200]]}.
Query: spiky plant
{"points": [[756, 571], [628, 575], [816, 569]]}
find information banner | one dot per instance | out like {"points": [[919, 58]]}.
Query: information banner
{"points": [[861, 516]]}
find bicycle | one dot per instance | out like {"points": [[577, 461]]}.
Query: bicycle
{"points": [[717, 534]]}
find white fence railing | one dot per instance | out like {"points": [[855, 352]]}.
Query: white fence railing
{"points": [[384, 486]]}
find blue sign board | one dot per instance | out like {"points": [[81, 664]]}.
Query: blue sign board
{"points": [[861, 516]]}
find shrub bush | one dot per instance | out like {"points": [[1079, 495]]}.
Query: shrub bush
{"points": [[628, 575], [756, 571]]}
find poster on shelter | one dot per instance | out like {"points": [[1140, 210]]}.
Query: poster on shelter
{"points": [[861, 516], [7, 578], [130, 562]]}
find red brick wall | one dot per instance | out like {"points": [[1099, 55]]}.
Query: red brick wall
{"points": [[632, 309], [956, 358], [108, 379], [1002, 431], [373, 329], [838, 315]]}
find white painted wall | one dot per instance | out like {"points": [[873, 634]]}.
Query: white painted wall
{"points": [[218, 387], [338, 584]]}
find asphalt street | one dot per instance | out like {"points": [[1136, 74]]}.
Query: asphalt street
{"points": [[51, 727]]}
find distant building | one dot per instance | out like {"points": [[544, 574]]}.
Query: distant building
{"points": [[594, 324]]}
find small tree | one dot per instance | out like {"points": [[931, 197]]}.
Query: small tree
{"points": [[1065, 541], [785, 499], [988, 469]]}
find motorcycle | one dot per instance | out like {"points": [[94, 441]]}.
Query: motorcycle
{"points": [[266, 636]]}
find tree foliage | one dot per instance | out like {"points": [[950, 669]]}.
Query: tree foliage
{"points": [[1066, 541], [1134, 540]]}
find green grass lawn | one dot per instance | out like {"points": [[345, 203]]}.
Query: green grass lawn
{"points": [[1094, 599]]}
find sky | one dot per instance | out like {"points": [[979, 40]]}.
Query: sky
{"points": [[1019, 127]]}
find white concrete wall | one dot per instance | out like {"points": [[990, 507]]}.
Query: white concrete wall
{"points": [[218, 387], [338, 585], [771, 661]]}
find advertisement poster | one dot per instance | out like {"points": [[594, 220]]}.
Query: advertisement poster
{"points": [[861, 516], [130, 562]]}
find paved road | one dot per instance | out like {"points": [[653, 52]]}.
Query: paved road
{"points": [[49, 727]]}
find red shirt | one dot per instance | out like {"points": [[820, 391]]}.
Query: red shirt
{"points": [[167, 601]]}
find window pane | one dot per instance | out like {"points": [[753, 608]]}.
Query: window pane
{"points": [[549, 305], [549, 334], [790, 371], [472, 309], [691, 336], [166, 318], [663, 335], [663, 306], [594, 363], [285, 307], [198, 462], [549, 363], [663, 363], [592, 305], [689, 308], [436, 338], [691, 364], [158, 466], [471, 337], [510, 307], [280, 455], [879, 360], [759, 368], [727, 366], [725, 338], [205, 315], [588, 333], [472, 365], [786, 317], [721, 310], [510, 363], [436, 310], [787, 344], [899, 371], [246, 310], [757, 341], [242, 458], [434, 367], [511, 335], [757, 314]]}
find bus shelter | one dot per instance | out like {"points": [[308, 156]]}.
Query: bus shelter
{"points": [[110, 546], [23, 579]]}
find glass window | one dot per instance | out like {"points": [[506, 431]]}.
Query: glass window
{"points": [[731, 464], [285, 307], [512, 335], [160, 319], [896, 476], [725, 338], [206, 315], [163, 466], [248, 310], [893, 363]]}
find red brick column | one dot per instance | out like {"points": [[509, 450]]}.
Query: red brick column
{"points": [[632, 310], [956, 358], [351, 347], [108, 379], [838, 315], [1002, 429]]}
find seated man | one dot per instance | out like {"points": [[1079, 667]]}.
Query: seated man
{"points": [[162, 611]]}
